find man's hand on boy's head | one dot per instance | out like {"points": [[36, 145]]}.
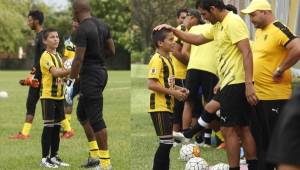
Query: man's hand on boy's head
{"points": [[159, 27]]}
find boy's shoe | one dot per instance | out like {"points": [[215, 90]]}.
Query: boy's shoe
{"points": [[19, 136], [68, 134], [179, 136], [91, 163], [99, 167], [57, 161], [47, 163]]}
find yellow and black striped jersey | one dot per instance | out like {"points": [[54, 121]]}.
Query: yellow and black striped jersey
{"points": [[51, 87], [69, 49], [161, 69]]}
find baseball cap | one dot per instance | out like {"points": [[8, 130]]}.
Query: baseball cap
{"points": [[256, 5]]}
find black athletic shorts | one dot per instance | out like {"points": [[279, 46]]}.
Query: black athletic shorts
{"points": [[235, 109], [53, 109], [75, 92], [178, 105], [284, 145], [90, 104], [198, 78], [32, 98], [162, 122]]}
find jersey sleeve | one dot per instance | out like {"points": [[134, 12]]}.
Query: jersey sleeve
{"points": [[237, 30], [154, 68], [285, 35], [81, 37], [46, 62]]}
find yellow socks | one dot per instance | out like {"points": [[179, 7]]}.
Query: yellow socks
{"points": [[26, 128], [94, 150], [66, 125], [220, 136], [104, 158]]}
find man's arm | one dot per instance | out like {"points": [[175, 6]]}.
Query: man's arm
{"points": [[110, 48], [59, 72], [292, 58], [79, 56], [185, 36], [244, 47], [178, 54], [186, 51]]}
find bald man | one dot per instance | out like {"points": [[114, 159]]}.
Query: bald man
{"points": [[93, 43]]}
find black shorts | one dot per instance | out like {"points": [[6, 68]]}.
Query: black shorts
{"points": [[199, 78], [284, 144], [90, 105], [53, 110], [178, 105], [235, 109], [162, 122], [32, 98], [75, 92]]}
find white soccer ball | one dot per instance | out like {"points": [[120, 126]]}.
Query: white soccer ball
{"points": [[220, 166], [196, 163], [68, 64], [189, 151], [3, 94]]}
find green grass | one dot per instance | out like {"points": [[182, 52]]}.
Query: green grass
{"points": [[26, 154], [144, 141]]}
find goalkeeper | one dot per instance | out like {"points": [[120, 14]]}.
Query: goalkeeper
{"points": [[35, 21]]}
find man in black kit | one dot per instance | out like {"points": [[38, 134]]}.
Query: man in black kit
{"points": [[93, 42], [35, 21]]}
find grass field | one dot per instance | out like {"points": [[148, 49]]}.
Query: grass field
{"points": [[143, 138], [26, 154]]}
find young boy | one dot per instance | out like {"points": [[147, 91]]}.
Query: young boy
{"points": [[52, 99], [161, 83]]}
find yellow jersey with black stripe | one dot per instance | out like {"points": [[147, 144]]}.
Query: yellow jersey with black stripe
{"points": [[69, 49], [226, 35], [180, 68], [51, 87], [161, 69], [269, 50], [203, 57]]}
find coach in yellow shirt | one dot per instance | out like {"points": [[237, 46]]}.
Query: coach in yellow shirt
{"points": [[234, 63], [275, 50]]}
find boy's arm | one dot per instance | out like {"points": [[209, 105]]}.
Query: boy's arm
{"points": [[59, 72], [155, 86]]}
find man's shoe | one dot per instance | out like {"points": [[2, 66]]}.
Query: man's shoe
{"points": [[91, 163], [179, 136], [57, 161], [47, 163], [68, 134], [19, 136]]}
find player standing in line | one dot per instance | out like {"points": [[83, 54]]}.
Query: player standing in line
{"points": [[52, 97], [35, 22], [93, 42], [160, 71], [275, 50]]}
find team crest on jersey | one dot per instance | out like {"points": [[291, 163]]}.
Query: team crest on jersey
{"points": [[153, 70]]}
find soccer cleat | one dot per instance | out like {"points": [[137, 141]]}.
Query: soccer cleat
{"points": [[221, 146], [19, 136], [57, 161], [91, 163], [68, 134], [179, 136], [47, 163]]}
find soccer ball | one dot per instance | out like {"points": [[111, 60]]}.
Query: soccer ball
{"points": [[220, 166], [196, 163], [189, 151], [3, 94], [68, 64]]}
